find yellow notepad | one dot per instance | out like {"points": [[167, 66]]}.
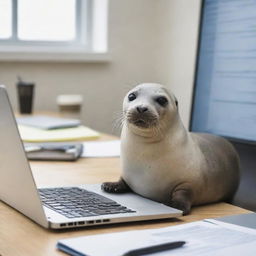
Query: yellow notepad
{"points": [[31, 134]]}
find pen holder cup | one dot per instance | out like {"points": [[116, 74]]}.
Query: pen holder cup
{"points": [[25, 97]]}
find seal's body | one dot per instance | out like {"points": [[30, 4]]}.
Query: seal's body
{"points": [[162, 161]]}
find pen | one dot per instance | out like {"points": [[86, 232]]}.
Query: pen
{"points": [[154, 248]]}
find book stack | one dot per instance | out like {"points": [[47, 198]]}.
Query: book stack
{"points": [[52, 138]]}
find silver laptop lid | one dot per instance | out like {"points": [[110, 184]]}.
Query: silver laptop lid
{"points": [[17, 186]]}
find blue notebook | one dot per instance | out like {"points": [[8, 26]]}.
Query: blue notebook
{"points": [[48, 122]]}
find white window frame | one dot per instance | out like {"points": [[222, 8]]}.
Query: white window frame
{"points": [[84, 48]]}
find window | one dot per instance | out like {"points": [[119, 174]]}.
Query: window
{"points": [[53, 26], [5, 19]]}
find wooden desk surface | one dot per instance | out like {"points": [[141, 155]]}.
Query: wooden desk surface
{"points": [[20, 236]]}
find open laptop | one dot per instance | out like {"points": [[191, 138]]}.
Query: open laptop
{"points": [[63, 207]]}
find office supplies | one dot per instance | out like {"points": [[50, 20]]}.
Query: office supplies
{"points": [[31, 134], [53, 151], [154, 248], [25, 92], [204, 238], [101, 149], [47, 122], [18, 190]]}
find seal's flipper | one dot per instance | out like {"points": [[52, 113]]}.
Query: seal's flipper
{"points": [[115, 187], [182, 199]]}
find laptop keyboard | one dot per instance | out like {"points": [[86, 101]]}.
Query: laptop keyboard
{"points": [[74, 202]]}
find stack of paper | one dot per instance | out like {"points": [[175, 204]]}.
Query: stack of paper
{"points": [[204, 238], [101, 149], [31, 134]]}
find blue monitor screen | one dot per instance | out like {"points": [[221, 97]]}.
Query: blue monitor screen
{"points": [[225, 82]]}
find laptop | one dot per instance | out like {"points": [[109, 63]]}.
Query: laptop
{"points": [[62, 207]]}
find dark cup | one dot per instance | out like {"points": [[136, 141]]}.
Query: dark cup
{"points": [[25, 96]]}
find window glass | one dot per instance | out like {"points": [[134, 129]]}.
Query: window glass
{"points": [[5, 19], [47, 20]]}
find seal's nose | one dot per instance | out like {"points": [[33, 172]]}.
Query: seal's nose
{"points": [[142, 109]]}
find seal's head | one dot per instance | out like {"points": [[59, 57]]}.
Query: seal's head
{"points": [[149, 106]]}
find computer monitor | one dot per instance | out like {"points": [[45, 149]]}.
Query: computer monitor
{"points": [[224, 100]]}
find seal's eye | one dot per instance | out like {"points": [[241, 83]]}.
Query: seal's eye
{"points": [[131, 97], [162, 101]]}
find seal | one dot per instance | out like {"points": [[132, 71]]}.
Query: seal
{"points": [[164, 162]]}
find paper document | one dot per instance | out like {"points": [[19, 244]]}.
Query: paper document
{"points": [[203, 238], [31, 134], [101, 149]]}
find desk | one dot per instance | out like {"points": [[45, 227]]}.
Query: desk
{"points": [[20, 236]]}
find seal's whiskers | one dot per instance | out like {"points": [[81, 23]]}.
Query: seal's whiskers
{"points": [[119, 121]]}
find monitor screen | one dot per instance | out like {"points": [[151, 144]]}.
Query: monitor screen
{"points": [[225, 81]]}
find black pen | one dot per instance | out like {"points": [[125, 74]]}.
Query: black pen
{"points": [[154, 248]]}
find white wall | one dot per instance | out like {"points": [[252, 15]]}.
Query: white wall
{"points": [[149, 40], [179, 23]]}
